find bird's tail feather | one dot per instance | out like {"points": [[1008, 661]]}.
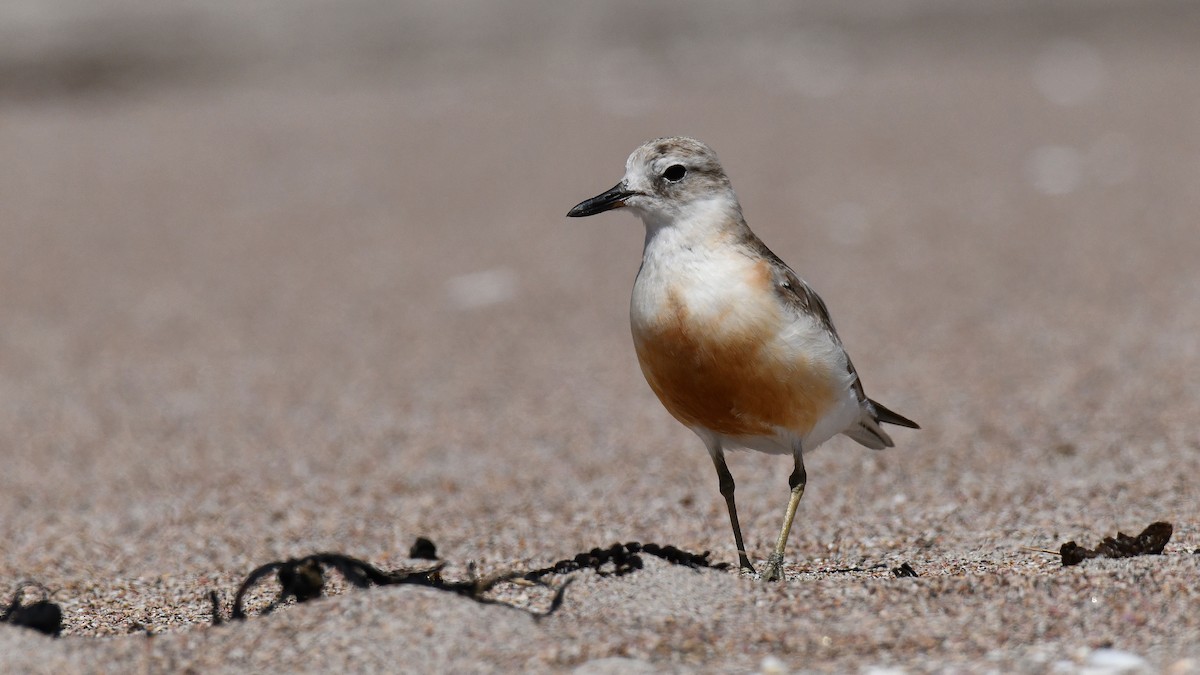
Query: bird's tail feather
{"points": [[884, 415], [868, 432]]}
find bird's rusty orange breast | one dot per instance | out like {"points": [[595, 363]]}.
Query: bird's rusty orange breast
{"points": [[739, 381]]}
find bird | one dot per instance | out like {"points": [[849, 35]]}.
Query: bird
{"points": [[736, 346]]}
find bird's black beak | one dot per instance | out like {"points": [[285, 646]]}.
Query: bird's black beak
{"points": [[613, 199]]}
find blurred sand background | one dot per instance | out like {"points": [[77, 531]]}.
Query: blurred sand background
{"points": [[281, 277]]}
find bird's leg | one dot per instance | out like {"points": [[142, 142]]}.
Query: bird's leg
{"points": [[796, 481], [727, 487]]}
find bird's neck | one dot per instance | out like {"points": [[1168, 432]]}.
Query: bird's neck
{"points": [[698, 223]]}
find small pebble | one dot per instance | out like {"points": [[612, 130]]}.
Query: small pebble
{"points": [[1113, 662], [772, 665]]}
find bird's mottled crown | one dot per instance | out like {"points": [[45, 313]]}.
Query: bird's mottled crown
{"points": [[647, 168]]}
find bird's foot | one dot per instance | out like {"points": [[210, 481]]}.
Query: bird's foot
{"points": [[774, 569]]}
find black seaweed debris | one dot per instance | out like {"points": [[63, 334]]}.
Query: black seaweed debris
{"points": [[1151, 541], [41, 615], [214, 598], [854, 569], [423, 549], [904, 570], [621, 559], [304, 579]]}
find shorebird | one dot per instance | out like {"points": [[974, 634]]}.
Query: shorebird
{"points": [[737, 347]]}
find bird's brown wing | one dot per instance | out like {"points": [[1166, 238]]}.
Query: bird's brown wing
{"points": [[797, 294]]}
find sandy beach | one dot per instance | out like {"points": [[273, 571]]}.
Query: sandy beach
{"points": [[297, 278]]}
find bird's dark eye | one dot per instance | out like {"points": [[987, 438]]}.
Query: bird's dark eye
{"points": [[675, 173]]}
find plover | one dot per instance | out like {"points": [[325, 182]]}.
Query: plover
{"points": [[736, 346]]}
